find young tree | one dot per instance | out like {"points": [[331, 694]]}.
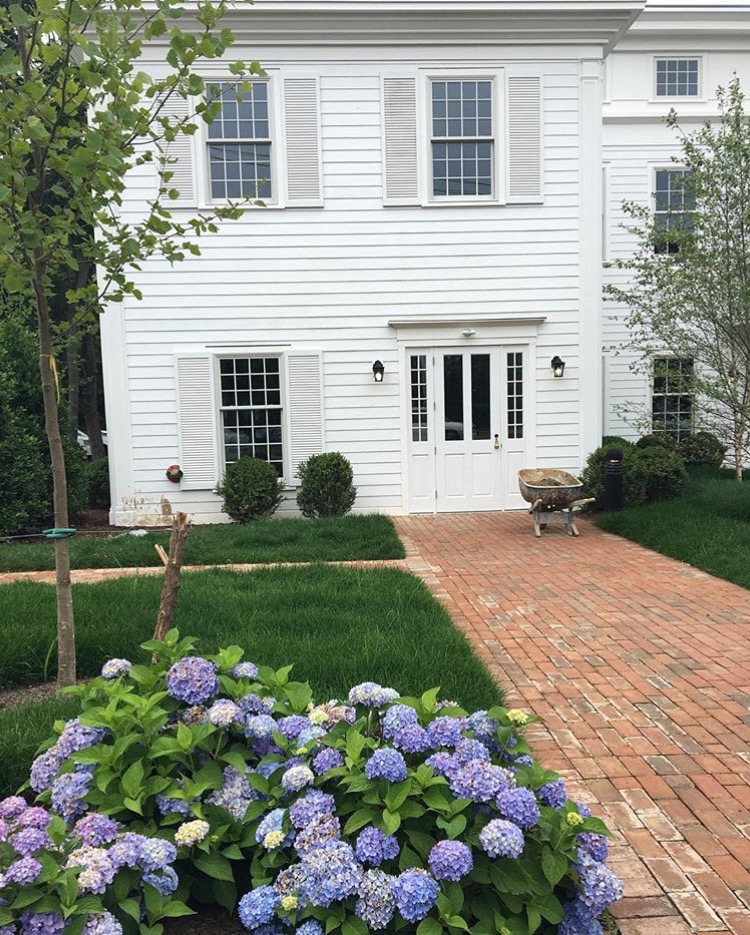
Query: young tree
{"points": [[688, 281], [62, 178]]}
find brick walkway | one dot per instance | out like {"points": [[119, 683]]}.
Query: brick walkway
{"points": [[640, 666]]}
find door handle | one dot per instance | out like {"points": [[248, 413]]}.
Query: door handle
{"points": [[497, 441]]}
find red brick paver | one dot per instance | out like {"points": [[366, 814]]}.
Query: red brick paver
{"points": [[640, 666]]}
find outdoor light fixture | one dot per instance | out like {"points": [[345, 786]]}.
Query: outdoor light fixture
{"points": [[377, 371], [558, 366], [468, 332]]}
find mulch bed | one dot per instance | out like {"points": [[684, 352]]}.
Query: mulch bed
{"points": [[204, 925], [9, 697]]}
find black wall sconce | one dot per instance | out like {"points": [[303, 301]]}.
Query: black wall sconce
{"points": [[558, 366], [377, 371]]}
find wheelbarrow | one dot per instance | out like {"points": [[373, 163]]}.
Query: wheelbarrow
{"points": [[553, 494]]}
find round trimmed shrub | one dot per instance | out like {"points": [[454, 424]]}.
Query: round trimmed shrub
{"points": [[326, 487], [658, 440], [251, 490], [616, 441], [664, 471], [97, 473], [372, 812], [703, 448], [634, 479]]}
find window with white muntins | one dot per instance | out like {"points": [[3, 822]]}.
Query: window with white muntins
{"points": [[251, 409], [239, 143], [677, 77], [673, 204], [672, 397], [462, 138]]}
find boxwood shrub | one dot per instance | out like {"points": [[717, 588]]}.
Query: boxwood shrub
{"points": [[703, 448], [326, 485], [251, 489], [201, 781]]}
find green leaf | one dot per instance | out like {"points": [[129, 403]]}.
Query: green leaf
{"points": [[454, 827], [355, 743], [429, 699], [550, 907], [174, 909], [134, 805], [429, 926], [409, 858], [456, 922], [391, 821], [359, 819], [354, 926], [554, 865], [131, 907], [397, 794], [132, 780], [456, 897], [184, 736], [215, 866], [534, 918]]}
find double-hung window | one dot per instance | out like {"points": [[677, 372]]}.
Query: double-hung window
{"points": [[677, 77], [462, 139], [672, 396], [673, 202], [251, 409], [239, 143]]}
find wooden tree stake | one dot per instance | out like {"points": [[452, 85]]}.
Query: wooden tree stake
{"points": [[171, 586]]}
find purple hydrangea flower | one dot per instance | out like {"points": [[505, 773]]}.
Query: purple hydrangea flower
{"points": [[310, 806], [412, 739], [553, 793], [259, 726], [193, 680], [168, 805], [374, 847], [68, 794], [595, 845], [13, 806], [386, 763], [29, 841], [320, 832], [443, 763], [331, 874], [96, 829], [254, 704], [165, 882], [446, 731], [289, 880], [479, 781], [396, 718], [114, 668], [468, 750], [599, 887], [41, 923], [258, 907], [311, 927], [376, 903], [416, 892], [292, 726], [104, 923], [77, 736], [44, 769], [450, 860], [372, 695], [4, 829], [583, 810], [484, 727], [501, 838], [34, 817], [579, 920], [224, 713], [156, 854], [327, 759], [235, 794], [519, 806], [23, 872], [245, 670], [296, 778], [98, 868]]}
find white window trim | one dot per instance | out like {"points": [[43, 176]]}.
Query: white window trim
{"points": [[249, 353], [651, 376], [424, 135], [655, 167], [678, 56], [278, 149]]}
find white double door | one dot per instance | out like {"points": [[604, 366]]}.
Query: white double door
{"points": [[466, 424]]}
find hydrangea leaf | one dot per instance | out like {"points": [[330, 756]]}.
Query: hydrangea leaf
{"points": [[429, 926], [215, 866], [554, 865]]}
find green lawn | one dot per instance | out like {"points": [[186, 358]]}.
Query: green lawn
{"points": [[708, 526], [277, 540], [339, 626]]}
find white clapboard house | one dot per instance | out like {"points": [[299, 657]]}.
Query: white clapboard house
{"points": [[442, 181]]}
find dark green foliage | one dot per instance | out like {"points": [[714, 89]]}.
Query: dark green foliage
{"points": [[703, 448], [664, 471], [251, 490], [375, 626], [658, 440], [616, 441], [634, 480], [327, 487], [338, 539], [97, 473]]}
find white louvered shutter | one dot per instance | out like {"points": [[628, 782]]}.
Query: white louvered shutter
{"points": [[302, 139], [524, 139], [180, 153], [305, 401], [196, 409], [400, 163]]}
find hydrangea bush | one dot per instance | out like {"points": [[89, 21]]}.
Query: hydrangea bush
{"points": [[195, 780]]}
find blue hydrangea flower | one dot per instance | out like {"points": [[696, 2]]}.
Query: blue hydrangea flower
{"points": [[522, 759], [519, 806], [77, 736], [309, 806], [156, 854], [258, 907], [373, 846], [443, 763], [386, 763], [296, 778], [224, 713], [193, 680], [599, 887], [165, 882], [310, 735], [102, 924], [553, 793], [450, 860], [245, 670], [293, 725], [412, 739], [311, 927], [115, 668], [320, 832], [595, 845], [325, 760], [484, 727], [416, 892], [44, 769], [68, 792], [29, 840], [332, 874], [501, 838], [41, 923], [583, 810], [273, 821], [96, 829], [259, 726], [98, 868], [468, 750], [376, 903], [23, 872], [235, 793], [255, 704], [372, 695], [479, 781], [396, 718], [446, 731], [579, 920], [289, 880]]}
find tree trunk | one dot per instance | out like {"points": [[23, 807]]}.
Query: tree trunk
{"points": [[171, 587], [90, 398], [66, 641], [737, 445]]}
